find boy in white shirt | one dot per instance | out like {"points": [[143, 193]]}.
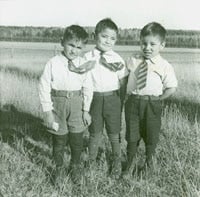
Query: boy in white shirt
{"points": [[108, 77], [151, 80], [65, 92]]}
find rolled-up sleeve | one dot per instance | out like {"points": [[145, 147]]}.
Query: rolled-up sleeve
{"points": [[170, 80], [44, 88]]}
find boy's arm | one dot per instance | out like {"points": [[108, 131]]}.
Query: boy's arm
{"points": [[87, 98], [123, 80], [170, 82], [122, 90], [44, 89], [167, 93], [49, 119]]}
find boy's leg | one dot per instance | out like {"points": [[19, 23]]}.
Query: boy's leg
{"points": [[76, 146], [112, 115], [96, 127], [60, 136], [153, 125], [59, 143], [76, 127], [132, 131]]}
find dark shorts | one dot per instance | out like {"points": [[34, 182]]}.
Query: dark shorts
{"points": [[68, 112], [143, 119], [106, 109]]}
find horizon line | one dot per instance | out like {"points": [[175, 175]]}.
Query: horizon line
{"points": [[89, 26]]}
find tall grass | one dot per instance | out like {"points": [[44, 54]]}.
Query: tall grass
{"points": [[24, 170], [19, 91], [188, 81]]}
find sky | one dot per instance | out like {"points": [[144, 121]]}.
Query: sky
{"points": [[172, 14]]}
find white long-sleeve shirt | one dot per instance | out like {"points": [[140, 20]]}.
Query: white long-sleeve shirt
{"points": [[103, 79], [56, 75]]}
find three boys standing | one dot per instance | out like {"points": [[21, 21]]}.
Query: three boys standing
{"points": [[72, 88]]}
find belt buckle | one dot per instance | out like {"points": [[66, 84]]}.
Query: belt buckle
{"points": [[69, 94]]}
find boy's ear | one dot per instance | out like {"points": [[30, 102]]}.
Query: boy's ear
{"points": [[93, 35], [163, 44]]}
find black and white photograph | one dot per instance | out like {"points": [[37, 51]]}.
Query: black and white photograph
{"points": [[99, 98]]}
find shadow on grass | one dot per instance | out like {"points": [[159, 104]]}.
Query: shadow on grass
{"points": [[16, 123], [25, 133], [18, 127]]}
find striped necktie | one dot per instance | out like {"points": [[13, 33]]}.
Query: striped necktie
{"points": [[142, 75], [111, 66]]}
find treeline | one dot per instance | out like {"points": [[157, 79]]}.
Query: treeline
{"points": [[175, 38]]}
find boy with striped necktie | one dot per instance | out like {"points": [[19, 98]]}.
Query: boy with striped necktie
{"points": [[151, 80]]}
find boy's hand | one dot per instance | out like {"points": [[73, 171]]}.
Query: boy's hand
{"points": [[49, 119], [126, 98], [86, 118], [167, 93]]}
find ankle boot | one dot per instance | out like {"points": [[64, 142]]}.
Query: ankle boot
{"points": [[94, 141], [116, 167], [131, 152]]}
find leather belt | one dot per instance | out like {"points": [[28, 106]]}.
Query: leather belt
{"points": [[145, 97], [65, 93], [109, 93]]}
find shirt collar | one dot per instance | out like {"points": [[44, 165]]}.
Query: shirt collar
{"points": [[96, 52], [155, 59], [76, 61]]}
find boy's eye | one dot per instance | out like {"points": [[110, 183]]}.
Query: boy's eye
{"points": [[72, 45], [104, 36]]}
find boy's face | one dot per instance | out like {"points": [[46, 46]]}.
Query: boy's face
{"points": [[105, 40], [72, 48], [151, 45]]}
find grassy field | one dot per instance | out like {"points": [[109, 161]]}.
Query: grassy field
{"points": [[25, 147]]}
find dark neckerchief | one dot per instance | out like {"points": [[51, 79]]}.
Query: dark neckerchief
{"points": [[115, 66], [81, 69]]}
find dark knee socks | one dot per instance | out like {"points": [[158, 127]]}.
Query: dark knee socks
{"points": [[131, 151], [94, 142], [115, 144], [76, 146], [59, 142]]}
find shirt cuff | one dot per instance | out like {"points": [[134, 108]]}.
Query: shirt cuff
{"points": [[47, 107], [86, 108]]}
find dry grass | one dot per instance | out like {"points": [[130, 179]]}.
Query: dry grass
{"points": [[24, 169]]}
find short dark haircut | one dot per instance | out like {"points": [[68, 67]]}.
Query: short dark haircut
{"points": [[154, 29], [75, 32], [105, 23]]}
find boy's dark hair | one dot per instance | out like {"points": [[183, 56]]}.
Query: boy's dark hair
{"points": [[154, 29], [75, 32], [105, 23]]}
